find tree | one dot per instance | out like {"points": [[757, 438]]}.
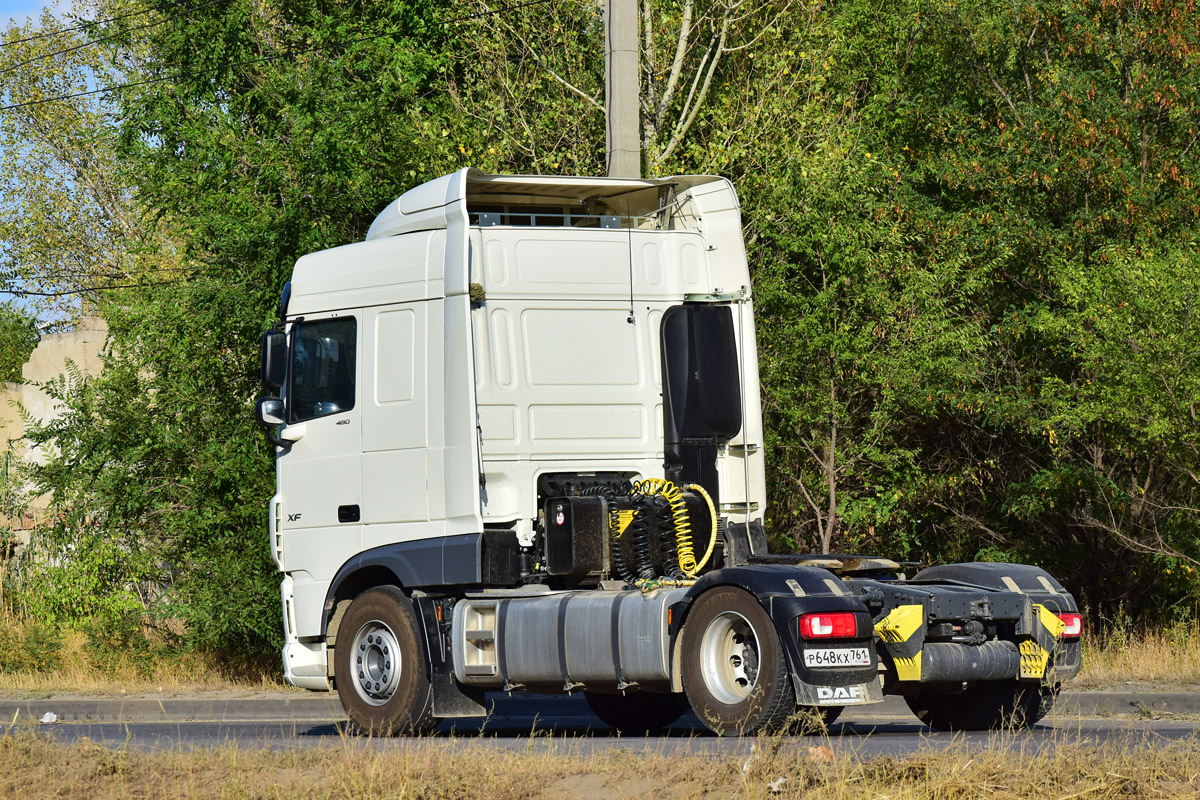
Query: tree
{"points": [[525, 92], [969, 227], [1054, 143], [284, 135], [18, 337], [71, 226]]}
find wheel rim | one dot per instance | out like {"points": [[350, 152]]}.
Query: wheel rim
{"points": [[729, 657], [376, 662]]}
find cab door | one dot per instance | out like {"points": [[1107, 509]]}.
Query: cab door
{"points": [[320, 473]]}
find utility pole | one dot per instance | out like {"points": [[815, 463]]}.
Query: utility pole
{"points": [[621, 99]]}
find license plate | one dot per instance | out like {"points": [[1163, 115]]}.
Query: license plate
{"points": [[837, 657]]}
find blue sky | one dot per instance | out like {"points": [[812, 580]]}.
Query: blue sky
{"points": [[21, 10]]}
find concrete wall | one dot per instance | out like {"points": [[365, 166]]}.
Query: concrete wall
{"points": [[10, 422], [81, 345]]}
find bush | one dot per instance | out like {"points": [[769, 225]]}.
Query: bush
{"points": [[29, 646]]}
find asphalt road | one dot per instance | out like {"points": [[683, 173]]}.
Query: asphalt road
{"points": [[567, 724]]}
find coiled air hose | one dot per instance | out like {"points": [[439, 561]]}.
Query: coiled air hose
{"points": [[685, 556], [635, 521], [643, 560], [684, 551], [638, 529], [615, 529], [712, 536]]}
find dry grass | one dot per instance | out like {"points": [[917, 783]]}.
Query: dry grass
{"points": [[1116, 654], [541, 769], [43, 659], [82, 673]]}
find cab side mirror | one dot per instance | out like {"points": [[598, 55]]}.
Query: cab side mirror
{"points": [[269, 411], [274, 358]]}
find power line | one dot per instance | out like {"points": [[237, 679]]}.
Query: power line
{"points": [[265, 59], [72, 49], [84, 25], [81, 290]]}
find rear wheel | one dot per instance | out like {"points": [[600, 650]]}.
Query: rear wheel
{"points": [[381, 666], [733, 667], [985, 705], [637, 712]]}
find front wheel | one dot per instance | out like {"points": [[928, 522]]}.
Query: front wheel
{"points": [[381, 667], [733, 667], [983, 706], [638, 712]]}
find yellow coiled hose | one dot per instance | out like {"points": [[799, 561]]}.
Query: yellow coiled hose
{"points": [[712, 516], [684, 551]]}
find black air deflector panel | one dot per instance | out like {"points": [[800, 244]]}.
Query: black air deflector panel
{"points": [[702, 406]]}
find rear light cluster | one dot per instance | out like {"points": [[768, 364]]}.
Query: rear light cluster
{"points": [[1074, 623], [829, 625]]}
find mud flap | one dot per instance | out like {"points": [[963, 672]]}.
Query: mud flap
{"points": [[808, 694], [452, 699]]}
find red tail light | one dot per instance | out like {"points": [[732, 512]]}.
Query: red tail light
{"points": [[1074, 623], [829, 625]]}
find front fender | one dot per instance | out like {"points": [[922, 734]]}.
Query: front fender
{"points": [[437, 561]]}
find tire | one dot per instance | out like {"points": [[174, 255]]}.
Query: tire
{"points": [[1036, 702], [381, 667], [983, 706], [637, 713], [734, 673]]}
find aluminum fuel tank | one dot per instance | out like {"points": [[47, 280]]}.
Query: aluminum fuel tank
{"points": [[601, 640]]}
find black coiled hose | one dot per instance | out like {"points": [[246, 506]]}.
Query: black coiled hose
{"points": [[664, 523], [639, 531], [643, 559], [616, 553]]}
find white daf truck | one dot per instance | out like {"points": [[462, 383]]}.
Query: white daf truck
{"points": [[519, 447]]}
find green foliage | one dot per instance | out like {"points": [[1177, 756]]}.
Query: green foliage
{"points": [[30, 646], [117, 642], [158, 475], [972, 229], [1032, 198], [18, 337], [70, 224]]}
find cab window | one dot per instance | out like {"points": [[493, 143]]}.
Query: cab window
{"points": [[323, 361]]}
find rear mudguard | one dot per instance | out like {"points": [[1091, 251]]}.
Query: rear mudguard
{"points": [[785, 592]]}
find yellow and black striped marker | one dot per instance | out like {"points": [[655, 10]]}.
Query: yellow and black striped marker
{"points": [[903, 631], [1041, 629]]}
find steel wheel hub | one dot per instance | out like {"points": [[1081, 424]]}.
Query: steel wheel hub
{"points": [[376, 662], [729, 658]]}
